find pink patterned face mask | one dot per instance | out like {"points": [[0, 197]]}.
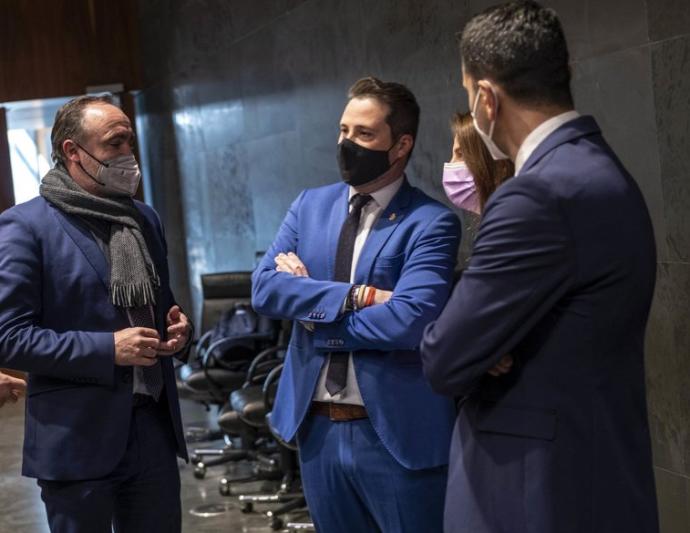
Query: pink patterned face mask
{"points": [[459, 186]]}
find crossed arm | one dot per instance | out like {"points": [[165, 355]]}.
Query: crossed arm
{"points": [[283, 289]]}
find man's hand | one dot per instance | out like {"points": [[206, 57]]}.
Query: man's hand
{"points": [[179, 329], [136, 347], [11, 388], [503, 366], [291, 264]]}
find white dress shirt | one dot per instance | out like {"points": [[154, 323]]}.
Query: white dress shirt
{"points": [[370, 214], [538, 134]]}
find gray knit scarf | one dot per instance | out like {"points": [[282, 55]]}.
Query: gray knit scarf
{"points": [[133, 277]]}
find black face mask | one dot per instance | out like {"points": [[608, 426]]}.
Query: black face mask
{"points": [[359, 165]]}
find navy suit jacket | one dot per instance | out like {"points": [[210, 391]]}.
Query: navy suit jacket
{"points": [[411, 250], [561, 277], [57, 324]]}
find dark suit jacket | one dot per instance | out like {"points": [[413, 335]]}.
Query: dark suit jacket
{"points": [[57, 323], [561, 277]]}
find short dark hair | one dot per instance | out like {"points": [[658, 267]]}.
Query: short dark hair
{"points": [[403, 117], [68, 122], [520, 46]]}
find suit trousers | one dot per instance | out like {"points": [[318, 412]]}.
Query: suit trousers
{"points": [[352, 483], [142, 494]]}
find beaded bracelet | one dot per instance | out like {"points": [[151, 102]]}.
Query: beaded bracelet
{"points": [[360, 296], [371, 294], [352, 298]]}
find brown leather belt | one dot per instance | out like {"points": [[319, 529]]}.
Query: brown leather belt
{"points": [[339, 412]]}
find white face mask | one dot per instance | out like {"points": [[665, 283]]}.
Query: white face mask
{"points": [[119, 176], [494, 150]]}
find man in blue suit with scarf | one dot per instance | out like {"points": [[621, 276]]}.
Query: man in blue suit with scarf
{"points": [[553, 304], [361, 267], [87, 311]]}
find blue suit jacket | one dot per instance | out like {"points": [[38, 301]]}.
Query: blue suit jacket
{"points": [[57, 323], [561, 277], [410, 250]]}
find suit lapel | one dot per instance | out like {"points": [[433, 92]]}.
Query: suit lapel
{"points": [[339, 212], [82, 237], [381, 231]]}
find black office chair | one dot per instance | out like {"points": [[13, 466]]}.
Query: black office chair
{"points": [[221, 292], [244, 437], [289, 493], [245, 415]]}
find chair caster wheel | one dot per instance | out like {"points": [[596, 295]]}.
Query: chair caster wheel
{"points": [[224, 487], [200, 471], [247, 507], [195, 459], [276, 523]]}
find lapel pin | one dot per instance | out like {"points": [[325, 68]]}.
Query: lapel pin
{"points": [[392, 217]]}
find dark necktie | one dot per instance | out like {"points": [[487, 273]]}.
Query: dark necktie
{"points": [[142, 317], [336, 375]]}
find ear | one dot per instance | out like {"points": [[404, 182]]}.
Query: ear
{"points": [[487, 98], [456, 153], [69, 149], [404, 146]]}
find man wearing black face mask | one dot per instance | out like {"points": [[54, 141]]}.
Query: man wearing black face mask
{"points": [[87, 311], [361, 267]]}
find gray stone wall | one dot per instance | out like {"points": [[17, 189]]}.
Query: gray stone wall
{"points": [[240, 112]]}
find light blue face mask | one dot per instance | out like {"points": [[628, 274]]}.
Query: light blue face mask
{"points": [[494, 150]]}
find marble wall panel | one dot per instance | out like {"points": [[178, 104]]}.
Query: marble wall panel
{"points": [[668, 368], [674, 496], [668, 18], [617, 90], [671, 79]]}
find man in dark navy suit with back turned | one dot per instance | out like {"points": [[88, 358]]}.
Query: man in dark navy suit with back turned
{"points": [[542, 339]]}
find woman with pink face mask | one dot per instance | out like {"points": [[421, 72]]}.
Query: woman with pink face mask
{"points": [[472, 175]]}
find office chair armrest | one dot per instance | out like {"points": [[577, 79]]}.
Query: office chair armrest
{"points": [[200, 345], [262, 356], [273, 375], [208, 353], [261, 372]]}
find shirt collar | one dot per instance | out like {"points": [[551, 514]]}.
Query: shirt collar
{"points": [[383, 196], [539, 134]]}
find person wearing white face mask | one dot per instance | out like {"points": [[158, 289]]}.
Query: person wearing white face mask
{"points": [[561, 277], [88, 313]]}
